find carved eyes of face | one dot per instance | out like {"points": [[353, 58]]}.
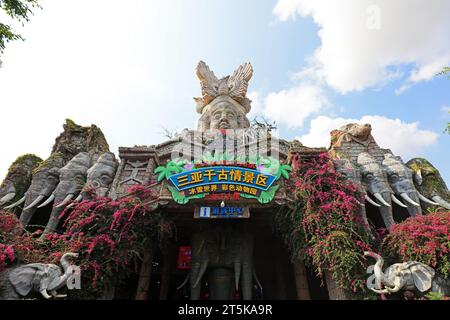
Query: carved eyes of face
{"points": [[394, 177], [106, 180], [52, 179], [369, 177]]}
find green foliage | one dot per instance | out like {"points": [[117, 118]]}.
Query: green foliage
{"points": [[19, 10], [434, 296], [171, 168], [445, 71], [323, 228]]}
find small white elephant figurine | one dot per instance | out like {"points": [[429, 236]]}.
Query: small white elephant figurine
{"points": [[41, 277], [409, 275]]}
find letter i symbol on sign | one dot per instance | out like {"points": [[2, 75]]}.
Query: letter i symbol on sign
{"points": [[205, 212]]}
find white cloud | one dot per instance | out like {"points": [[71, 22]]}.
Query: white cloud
{"points": [[445, 109], [404, 139], [294, 105], [365, 42]]}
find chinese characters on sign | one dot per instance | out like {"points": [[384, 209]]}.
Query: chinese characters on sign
{"points": [[222, 179], [221, 212]]}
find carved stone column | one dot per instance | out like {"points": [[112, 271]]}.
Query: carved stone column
{"points": [[334, 292], [301, 281], [145, 275]]}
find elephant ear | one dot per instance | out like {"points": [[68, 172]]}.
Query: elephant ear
{"points": [[423, 276], [26, 277]]}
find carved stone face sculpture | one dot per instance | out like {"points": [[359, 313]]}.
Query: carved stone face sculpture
{"points": [[223, 104], [101, 175], [223, 116]]}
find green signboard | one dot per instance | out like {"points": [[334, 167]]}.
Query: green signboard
{"points": [[212, 176]]}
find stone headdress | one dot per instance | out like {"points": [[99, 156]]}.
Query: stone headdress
{"points": [[234, 86]]}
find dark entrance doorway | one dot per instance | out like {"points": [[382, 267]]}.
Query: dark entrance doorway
{"points": [[271, 261]]}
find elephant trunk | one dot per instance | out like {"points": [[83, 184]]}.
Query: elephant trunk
{"points": [[380, 277], [44, 293], [61, 280]]}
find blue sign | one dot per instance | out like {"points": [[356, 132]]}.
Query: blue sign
{"points": [[221, 212], [216, 177]]}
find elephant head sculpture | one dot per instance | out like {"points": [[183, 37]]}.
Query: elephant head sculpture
{"points": [[401, 180], [409, 275], [18, 178], [226, 257], [40, 277], [44, 181], [375, 181], [99, 178], [429, 182], [101, 175], [71, 181]]}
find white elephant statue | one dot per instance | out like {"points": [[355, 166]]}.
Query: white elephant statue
{"points": [[411, 275], [39, 277]]}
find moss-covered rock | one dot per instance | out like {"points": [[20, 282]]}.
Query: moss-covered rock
{"points": [[56, 160], [19, 175], [75, 139], [432, 182]]}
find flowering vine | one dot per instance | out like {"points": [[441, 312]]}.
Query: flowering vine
{"points": [[323, 226], [422, 238], [110, 237]]}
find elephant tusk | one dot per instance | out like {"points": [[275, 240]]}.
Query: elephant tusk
{"points": [[75, 202], [381, 199], [15, 204], [50, 199], [202, 271], [45, 294], [184, 282], [257, 280], [7, 198], [441, 202], [35, 202], [401, 204], [393, 290], [421, 197], [371, 201], [237, 273], [405, 196], [65, 201], [419, 178], [384, 291]]}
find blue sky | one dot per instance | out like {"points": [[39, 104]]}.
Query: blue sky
{"points": [[317, 64]]}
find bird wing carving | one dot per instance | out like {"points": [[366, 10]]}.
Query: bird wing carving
{"points": [[208, 82], [238, 82]]}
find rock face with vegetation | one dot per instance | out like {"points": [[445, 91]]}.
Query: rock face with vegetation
{"points": [[75, 139], [429, 182], [44, 177], [18, 178]]}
